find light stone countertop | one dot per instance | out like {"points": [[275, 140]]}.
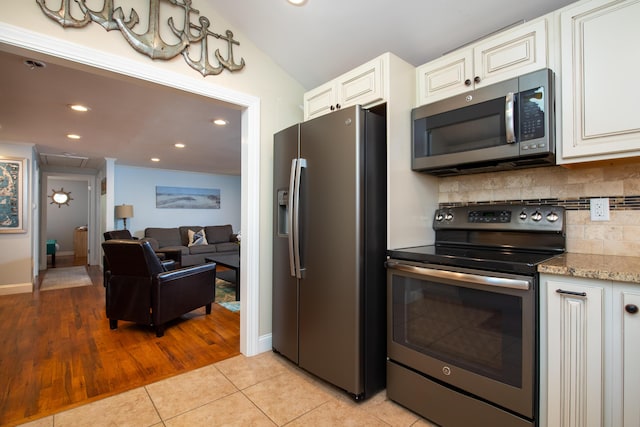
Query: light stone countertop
{"points": [[602, 267]]}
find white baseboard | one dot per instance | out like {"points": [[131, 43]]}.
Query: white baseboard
{"points": [[265, 343], [16, 288]]}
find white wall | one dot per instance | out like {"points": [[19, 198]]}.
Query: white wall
{"points": [[137, 186]]}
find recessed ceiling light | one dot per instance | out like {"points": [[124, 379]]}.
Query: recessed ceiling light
{"points": [[220, 122], [73, 136], [79, 107], [179, 145], [297, 2], [155, 159]]}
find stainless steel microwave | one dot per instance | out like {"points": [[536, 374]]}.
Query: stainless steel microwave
{"points": [[503, 126]]}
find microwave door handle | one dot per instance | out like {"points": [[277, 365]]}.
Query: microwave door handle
{"points": [[509, 118]]}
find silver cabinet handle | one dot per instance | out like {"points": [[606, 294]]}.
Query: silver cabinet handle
{"points": [[508, 119], [477, 279]]}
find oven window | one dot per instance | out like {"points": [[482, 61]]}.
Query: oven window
{"points": [[476, 330]]}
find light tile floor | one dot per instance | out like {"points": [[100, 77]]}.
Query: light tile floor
{"points": [[264, 390]]}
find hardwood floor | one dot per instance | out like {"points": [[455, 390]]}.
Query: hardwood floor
{"points": [[57, 351]]}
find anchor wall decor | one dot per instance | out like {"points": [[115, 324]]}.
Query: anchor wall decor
{"points": [[150, 43]]}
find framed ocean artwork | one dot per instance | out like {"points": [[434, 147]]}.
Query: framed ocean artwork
{"points": [[187, 198]]}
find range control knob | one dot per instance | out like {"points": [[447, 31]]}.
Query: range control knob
{"points": [[448, 216], [552, 217], [439, 216], [523, 215], [536, 216]]}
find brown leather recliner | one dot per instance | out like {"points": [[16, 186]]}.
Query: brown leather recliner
{"points": [[118, 234], [141, 290], [126, 235]]}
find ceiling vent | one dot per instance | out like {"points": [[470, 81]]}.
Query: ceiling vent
{"points": [[63, 160], [33, 64]]}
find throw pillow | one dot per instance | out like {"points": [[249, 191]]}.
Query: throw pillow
{"points": [[197, 238]]}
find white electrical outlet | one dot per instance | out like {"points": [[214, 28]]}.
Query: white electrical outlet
{"points": [[599, 209]]}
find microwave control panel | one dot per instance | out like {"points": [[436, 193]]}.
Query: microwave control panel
{"points": [[531, 114]]}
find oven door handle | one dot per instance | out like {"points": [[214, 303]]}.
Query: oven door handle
{"points": [[477, 279]]}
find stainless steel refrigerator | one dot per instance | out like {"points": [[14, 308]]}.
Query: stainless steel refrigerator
{"points": [[329, 248]]}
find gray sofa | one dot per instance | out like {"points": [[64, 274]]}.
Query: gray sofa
{"points": [[174, 242]]}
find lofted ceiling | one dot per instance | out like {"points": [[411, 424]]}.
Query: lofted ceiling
{"points": [[322, 39], [133, 121]]}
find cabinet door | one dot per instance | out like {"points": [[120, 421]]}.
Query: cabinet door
{"points": [[320, 100], [517, 51], [362, 85], [513, 52], [574, 354], [445, 77], [630, 352], [600, 117]]}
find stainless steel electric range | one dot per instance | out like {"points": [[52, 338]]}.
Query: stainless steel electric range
{"points": [[463, 315]]}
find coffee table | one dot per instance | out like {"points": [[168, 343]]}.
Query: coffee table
{"points": [[231, 261]]}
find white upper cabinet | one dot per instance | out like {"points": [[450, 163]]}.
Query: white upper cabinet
{"points": [[510, 53], [444, 77], [363, 85], [599, 41]]}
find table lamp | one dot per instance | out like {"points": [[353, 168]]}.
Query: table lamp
{"points": [[123, 212]]}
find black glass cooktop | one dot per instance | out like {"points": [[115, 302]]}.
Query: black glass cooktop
{"points": [[493, 259]]}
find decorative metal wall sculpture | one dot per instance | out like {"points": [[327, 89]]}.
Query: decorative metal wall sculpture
{"points": [[151, 43]]}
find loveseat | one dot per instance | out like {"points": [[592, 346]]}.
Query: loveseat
{"points": [[190, 245]]}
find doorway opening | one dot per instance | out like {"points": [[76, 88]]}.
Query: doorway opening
{"points": [[13, 38], [65, 227]]}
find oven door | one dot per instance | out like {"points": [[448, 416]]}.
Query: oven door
{"points": [[469, 329]]}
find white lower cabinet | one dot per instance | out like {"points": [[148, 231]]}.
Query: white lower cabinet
{"points": [[590, 343], [626, 354]]}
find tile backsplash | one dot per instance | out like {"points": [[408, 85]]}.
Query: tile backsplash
{"points": [[571, 188]]}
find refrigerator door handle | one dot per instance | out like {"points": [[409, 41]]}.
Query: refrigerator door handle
{"points": [[290, 214], [299, 268]]}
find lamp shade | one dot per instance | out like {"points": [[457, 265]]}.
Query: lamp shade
{"points": [[124, 211]]}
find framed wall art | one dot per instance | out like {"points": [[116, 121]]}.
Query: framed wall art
{"points": [[187, 198], [12, 176]]}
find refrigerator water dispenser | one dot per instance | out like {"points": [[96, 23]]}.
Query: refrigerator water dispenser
{"points": [[283, 212]]}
